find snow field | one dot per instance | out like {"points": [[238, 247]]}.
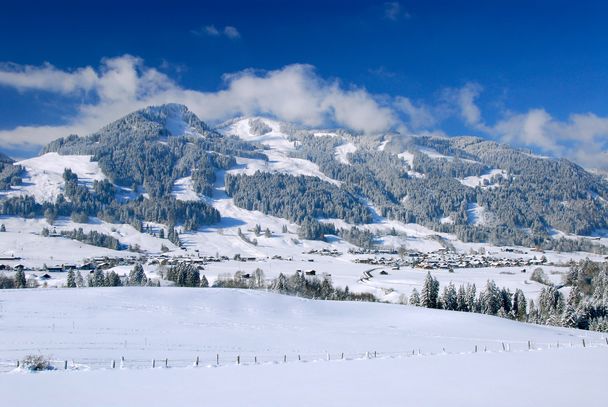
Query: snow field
{"points": [[89, 325]]}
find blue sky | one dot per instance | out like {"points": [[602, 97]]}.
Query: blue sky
{"points": [[533, 74]]}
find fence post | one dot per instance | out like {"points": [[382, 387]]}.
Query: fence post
{"points": [[606, 338], [65, 365], [284, 358], [113, 364], [17, 363], [503, 347], [328, 356], [529, 345], [475, 348], [217, 359], [342, 355], [153, 363], [238, 359], [196, 363], [375, 355], [255, 360], [584, 346], [166, 362], [299, 358]]}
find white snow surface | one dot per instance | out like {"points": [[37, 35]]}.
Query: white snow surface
{"points": [[476, 214], [44, 175], [183, 190], [278, 154], [474, 181], [92, 327], [343, 150]]}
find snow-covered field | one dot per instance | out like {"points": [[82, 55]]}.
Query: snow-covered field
{"points": [[92, 327], [24, 241]]}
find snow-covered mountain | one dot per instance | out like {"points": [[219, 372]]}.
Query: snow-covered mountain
{"points": [[160, 179], [478, 190]]}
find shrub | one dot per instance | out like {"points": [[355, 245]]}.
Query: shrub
{"points": [[36, 363], [539, 276]]}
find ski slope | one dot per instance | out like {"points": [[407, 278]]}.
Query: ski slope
{"points": [[91, 327]]}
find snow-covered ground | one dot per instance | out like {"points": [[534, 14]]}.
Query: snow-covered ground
{"points": [[23, 239], [343, 150], [474, 181], [278, 154], [43, 177], [92, 327]]}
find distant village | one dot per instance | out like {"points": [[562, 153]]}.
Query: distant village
{"points": [[450, 260], [440, 259]]}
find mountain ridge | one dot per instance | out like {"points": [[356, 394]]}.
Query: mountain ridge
{"points": [[477, 189]]}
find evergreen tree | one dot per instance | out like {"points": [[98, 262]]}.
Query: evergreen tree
{"points": [[569, 318], [113, 279], [71, 279], [430, 292], [2, 228], [280, 284], [326, 288], [490, 299], [193, 278], [259, 279], [574, 297], [20, 279], [79, 280], [449, 298], [550, 305], [518, 308], [461, 300], [99, 279], [137, 276], [204, 281], [532, 312], [471, 295]]}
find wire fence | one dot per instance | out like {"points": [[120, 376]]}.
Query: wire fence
{"points": [[250, 358]]}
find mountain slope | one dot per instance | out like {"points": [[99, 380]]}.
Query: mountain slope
{"points": [[163, 165]]}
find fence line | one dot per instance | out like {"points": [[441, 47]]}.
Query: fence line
{"points": [[251, 358]]}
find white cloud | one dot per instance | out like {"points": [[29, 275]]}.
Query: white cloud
{"points": [[123, 84], [392, 10], [419, 116], [211, 30], [231, 32], [463, 100], [582, 137], [294, 93], [228, 31], [47, 77]]}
